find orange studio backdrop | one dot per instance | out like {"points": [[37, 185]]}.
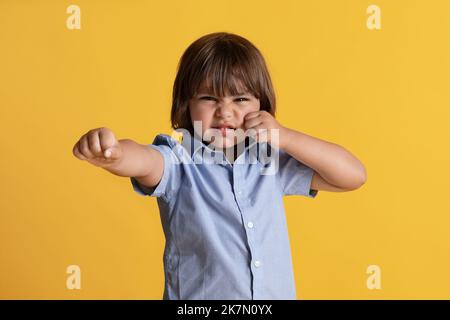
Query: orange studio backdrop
{"points": [[370, 76]]}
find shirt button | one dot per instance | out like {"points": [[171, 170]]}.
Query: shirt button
{"points": [[250, 224], [257, 263]]}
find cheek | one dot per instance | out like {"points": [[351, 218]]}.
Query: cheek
{"points": [[197, 112], [194, 112], [252, 107], [201, 113]]}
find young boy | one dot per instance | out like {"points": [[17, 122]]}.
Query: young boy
{"points": [[224, 221]]}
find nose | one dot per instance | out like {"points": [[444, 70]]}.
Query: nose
{"points": [[224, 110]]}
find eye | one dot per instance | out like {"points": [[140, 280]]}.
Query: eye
{"points": [[242, 99], [208, 98]]}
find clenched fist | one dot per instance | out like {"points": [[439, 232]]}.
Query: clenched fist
{"points": [[99, 147]]}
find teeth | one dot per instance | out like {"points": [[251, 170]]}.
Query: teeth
{"points": [[224, 130]]}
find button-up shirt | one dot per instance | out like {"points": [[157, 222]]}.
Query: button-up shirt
{"points": [[224, 223]]}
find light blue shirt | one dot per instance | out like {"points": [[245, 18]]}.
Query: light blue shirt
{"points": [[224, 224]]}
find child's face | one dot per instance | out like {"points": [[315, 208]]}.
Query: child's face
{"points": [[214, 112]]}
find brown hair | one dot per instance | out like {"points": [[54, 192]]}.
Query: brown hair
{"points": [[223, 62]]}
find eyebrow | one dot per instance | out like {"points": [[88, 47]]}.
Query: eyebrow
{"points": [[237, 95]]}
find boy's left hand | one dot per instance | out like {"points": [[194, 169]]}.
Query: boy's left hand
{"points": [[262, 123]]}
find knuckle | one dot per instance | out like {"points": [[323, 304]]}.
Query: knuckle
{"points": [[75, 149], [83, 139], [84, 149]]}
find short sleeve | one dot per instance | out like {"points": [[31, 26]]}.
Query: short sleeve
{"points": [[295, 177], [170, 180]]}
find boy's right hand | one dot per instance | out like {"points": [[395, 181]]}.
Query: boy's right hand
{"points": [[99, 147]]}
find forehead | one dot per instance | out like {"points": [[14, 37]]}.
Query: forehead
{"points": [[239, 88]]}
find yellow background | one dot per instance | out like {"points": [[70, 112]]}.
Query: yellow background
{"points": [[382, 94]]}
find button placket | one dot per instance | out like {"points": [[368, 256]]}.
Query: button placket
{"points": [[241, 203]]}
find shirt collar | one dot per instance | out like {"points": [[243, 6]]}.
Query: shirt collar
{"points": [[196, 148]]}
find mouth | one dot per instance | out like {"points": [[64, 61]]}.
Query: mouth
{"points": [[225, 129]]}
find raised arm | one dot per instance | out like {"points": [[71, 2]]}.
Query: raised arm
{"points": [[124, 158], [335, 168]]}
